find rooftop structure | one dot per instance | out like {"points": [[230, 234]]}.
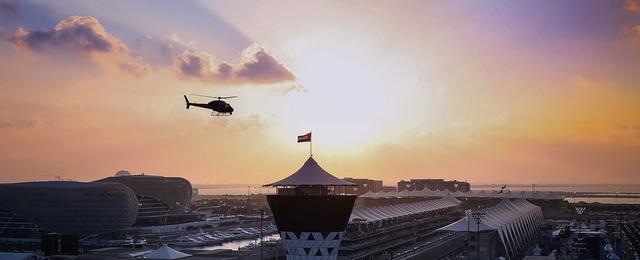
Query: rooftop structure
{"points": [[69, 207], [311, 211]]}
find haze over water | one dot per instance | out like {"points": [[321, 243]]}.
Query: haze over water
{"points": [[622, 188]]}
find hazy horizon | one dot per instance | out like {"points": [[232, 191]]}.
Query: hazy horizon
{"points": [[525, 92]]}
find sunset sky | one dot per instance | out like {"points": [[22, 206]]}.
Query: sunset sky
{"points": [[486, 91]]}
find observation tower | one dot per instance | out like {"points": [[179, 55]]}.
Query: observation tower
{"points": [[311, 210]]}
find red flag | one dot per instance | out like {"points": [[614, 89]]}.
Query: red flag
{"points": [[304, 138]]}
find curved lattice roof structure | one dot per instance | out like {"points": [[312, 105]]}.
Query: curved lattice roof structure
{"points": [[71, 207], [175, 192]]}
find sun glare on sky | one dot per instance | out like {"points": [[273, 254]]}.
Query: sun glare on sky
{"points": [[487, 92], [354, 94]]}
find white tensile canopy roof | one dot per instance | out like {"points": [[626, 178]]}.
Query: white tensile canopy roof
{"points": [[166, 252], [470, 194], [516, 223], [461, 226], [311, 174], [380, 213]]}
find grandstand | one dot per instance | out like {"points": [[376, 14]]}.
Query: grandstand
{"points": [[544, 195], [516, 224], [375, 231]]}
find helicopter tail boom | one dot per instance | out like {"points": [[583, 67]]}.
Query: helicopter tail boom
{"points": [[186, 100]]}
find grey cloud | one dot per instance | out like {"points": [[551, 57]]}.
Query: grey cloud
{"points": [[257, 67], [135, 67], [159, 50], [79, 34], [9, 8], [5, 124], [264, 68], [627, 127], [23, 123], [292, 88]]}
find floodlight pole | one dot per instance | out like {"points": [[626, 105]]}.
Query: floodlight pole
{"points": [[478, 216], [579, 210], [310, 144], [478, 238], [261, 230], [619, 248], [467, 213]]}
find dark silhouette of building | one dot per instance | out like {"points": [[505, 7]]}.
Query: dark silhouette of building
{"points": [[65, 207], [163, 200], [311, 210], [60, 244], [363, 186], [434, 184]]}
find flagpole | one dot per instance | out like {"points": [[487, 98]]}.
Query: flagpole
{"points": [[311, 144]]}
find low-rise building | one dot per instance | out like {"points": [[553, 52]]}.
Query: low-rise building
{"points": [[434, 184], [363, 186]]}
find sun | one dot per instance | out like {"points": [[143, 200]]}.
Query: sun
{"points": [[355, 96]]}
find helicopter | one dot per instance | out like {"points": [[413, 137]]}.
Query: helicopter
{"points": [[218, 106]]}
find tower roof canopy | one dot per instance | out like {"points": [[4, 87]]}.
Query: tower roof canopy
{"points": [[311, 174], [165, 252]]}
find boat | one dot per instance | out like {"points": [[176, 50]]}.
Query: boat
{"points": [[187, 241]]}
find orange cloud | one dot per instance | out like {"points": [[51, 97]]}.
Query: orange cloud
{"points": [[632, 31], [256, 66], [632, 6], [80, 34]]}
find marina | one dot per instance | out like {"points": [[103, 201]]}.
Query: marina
{"points": [[233, 238]]}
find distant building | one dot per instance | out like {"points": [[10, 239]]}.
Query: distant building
{"points": [[65, 207], [363, 186], [389, 188], [434, 184], [195, 193], [163, 200]]}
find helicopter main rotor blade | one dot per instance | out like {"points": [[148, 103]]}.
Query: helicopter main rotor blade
{"points": [[213, 96], [202, 96]]}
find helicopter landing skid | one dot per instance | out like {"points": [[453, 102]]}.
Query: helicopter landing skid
{"points": [[220, 114]]}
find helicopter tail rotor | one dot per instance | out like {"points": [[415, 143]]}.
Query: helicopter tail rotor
{"points": [[186, 100]]}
